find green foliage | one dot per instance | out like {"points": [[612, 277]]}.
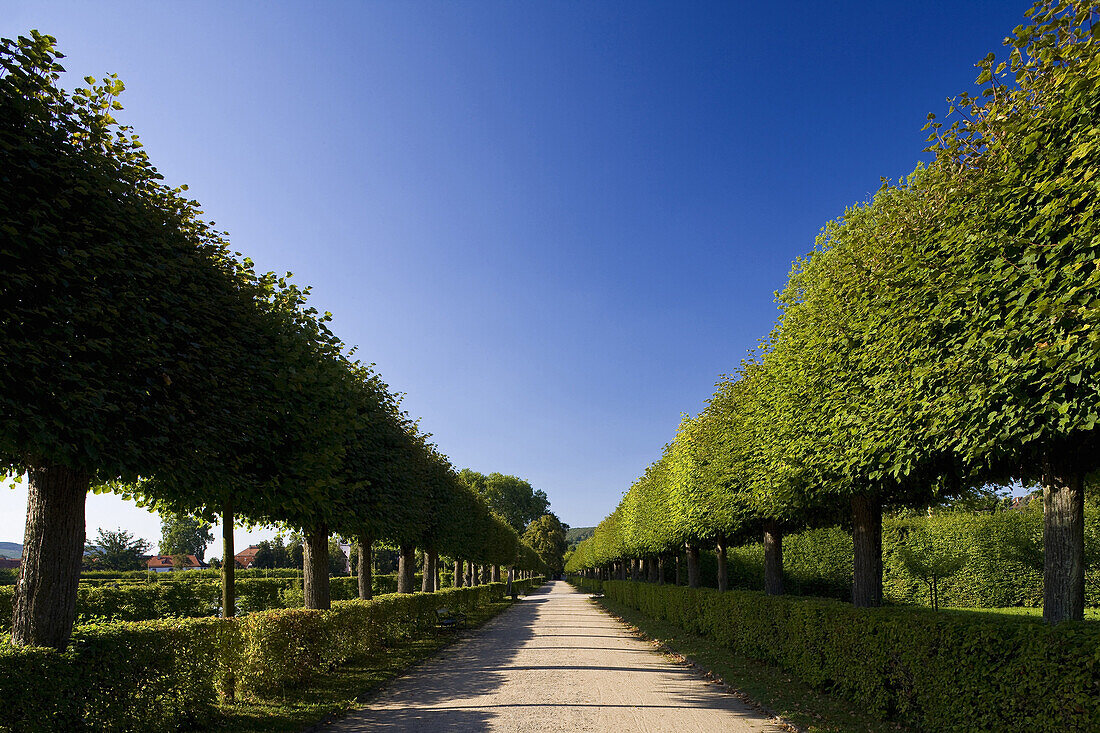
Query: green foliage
{"points": [[164, 675], [938, 338], [546, 536], [511, 497], [184, 534], [117, 550], [928, 557], [148, 676], [933, 671]]}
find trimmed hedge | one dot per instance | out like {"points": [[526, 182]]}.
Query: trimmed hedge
{"points": [[818, 562], [936, 671], [164, 675], [147, 676], [193, 598]]}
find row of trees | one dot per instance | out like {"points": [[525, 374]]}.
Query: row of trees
{"points": [[941, 337], [141, 355]]}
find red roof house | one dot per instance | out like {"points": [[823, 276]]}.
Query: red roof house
{"points": [[163, 563]]}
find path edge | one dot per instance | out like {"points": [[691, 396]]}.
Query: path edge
{"points": [[702, 670]]}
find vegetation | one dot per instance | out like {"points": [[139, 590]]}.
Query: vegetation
{"points": [[165, 675], [183, 534], [116, 550], [546, 536], [938, 339], [150, 340], [934, 671]]}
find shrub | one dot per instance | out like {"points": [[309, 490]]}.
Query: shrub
{"points": [[148, 676], [936, 671], [164, 675]]}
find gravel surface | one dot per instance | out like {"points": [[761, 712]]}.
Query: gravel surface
{"points": [[553, 662]]}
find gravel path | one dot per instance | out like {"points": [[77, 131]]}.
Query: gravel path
{"points": [[553, 662]]}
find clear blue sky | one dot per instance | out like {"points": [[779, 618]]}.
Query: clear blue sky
{"points": [[552, 224]]}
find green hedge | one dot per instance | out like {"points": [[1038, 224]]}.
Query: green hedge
{"points": [[164, 675], [147, 676], [819, 562], [588, 585], [937, 671], [194, 598]]}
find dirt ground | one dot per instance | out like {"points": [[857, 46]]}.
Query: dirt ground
{"points": [[553, 662]]}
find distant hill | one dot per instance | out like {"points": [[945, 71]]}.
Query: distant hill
{"points": [[11, 549], [577, 535]]}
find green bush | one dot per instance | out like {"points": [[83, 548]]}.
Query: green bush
{"points": [[148, 676], [996, 574], [164, 675], [588, 585], [7, 601], [935, 671]]}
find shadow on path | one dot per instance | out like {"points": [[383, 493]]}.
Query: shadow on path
{"points": [[553, 661]]}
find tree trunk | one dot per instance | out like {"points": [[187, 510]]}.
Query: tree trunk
{"points": [[458, 573], [773, 558], [426, 577], [1063, 545], [365, 560], [867, 540], [723, 575], [315, 562], [677, 568], [660, 570], [229, 563], [406, 569], [53, 547], [693, 565], [496, 574]]}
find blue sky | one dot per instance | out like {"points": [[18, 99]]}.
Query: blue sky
{"points": [[552, 225]]}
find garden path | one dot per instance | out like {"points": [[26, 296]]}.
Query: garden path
{"points": [[553, 662]]}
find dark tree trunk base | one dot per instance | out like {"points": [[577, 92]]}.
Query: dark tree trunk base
{"points": [[867, 541], [773, 559], [53, 547], [229, 563], [315, 581], [723, 571], [365, 568], [693, 566], [1063, 545], [406, 569]]}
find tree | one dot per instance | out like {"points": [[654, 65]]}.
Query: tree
{"points": [[509, 496], [118, 550], [183, 534], [546, 535], [125, 304], [928, 557]]}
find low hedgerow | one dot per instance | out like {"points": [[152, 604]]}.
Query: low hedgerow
{"points": [[937, 671], [147, 676], [165, 675], [588, 585]]}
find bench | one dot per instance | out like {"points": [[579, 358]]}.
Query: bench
{"points": [[448, 619]]}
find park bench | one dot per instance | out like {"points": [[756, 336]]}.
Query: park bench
{"points": [[448, 619]]}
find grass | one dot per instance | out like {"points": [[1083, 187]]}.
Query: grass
{"points": [[768, 686], [1091, 614], [330, 695]]}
